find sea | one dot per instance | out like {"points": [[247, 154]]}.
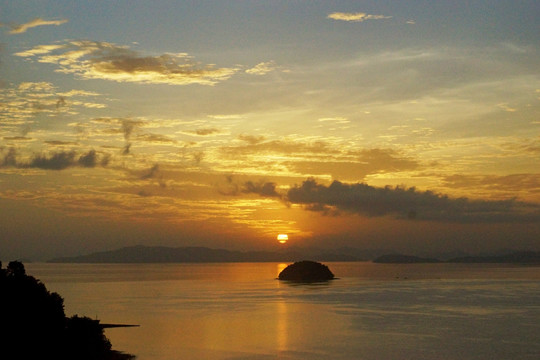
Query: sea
{"points": [[240, 311]]}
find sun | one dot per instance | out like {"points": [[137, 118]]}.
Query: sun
{"points": [[282, 238]]}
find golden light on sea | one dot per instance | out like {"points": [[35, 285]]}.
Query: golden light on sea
{"points": [[282, 238]]}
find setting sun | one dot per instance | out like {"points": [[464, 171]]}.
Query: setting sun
{"points": [[282, 238]]}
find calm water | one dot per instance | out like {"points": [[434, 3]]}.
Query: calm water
{"points": [[373, 311]]}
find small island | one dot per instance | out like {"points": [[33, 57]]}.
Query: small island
{"points": [[34, 325], [306, 271]]}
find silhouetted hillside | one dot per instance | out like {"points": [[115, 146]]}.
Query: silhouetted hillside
{"points": [[34, 325], [161, 254], [522, 257], [403, 259]]}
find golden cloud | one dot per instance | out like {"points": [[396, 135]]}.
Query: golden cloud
{"points": [[21, 28], [21, 103], [107, 61], [262, 68], [356, 17], [202, 132]]}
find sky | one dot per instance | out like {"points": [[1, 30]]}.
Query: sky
{"points": [[404, 125]]}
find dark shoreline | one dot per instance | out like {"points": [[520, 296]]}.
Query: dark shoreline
{"points": [[162, 254]]}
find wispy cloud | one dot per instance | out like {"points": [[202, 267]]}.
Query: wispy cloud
{"points": [[22, 28], [262, 68], [202, 132], [356, 17], [107, 61], [21, 103]]}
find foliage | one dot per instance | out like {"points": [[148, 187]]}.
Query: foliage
{"points": [[34, 324]]}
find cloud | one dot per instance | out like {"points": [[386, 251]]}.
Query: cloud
{"points": [[229, 188], [17, 138], [56, 161], [78, 93], [126, 149], [336, 120], [202, 132], [356, 17], [22, 28], [153, 172], [511, 184], [267, 189], [262, 68], [401, 202], [9, 159], [251, 139], [156, 138], [234, 188], [107, 61], [59, 142], [321, 158], [127, 126], [257, 145], [20, 103]]}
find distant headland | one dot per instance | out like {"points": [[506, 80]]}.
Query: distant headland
{"points": [[163, 254], [521, 257]]}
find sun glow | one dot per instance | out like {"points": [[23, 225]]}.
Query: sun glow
{"points": [[282, 238]]}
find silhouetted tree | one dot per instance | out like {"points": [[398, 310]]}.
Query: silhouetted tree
{"points": [[33, 324], [16, 268], [85, 339]]}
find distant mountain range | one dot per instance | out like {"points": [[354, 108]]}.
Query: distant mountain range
{"points": [[162, 254]]}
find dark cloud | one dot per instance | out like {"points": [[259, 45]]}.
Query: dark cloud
{"points": [[409, 203], [59, 143], [229, 188], [60, 102], [88, 160], [57, 161], [128, 126], [235, 188], [262, 188], [126, 149], [10, 159], [153, 172], [17, 138]]}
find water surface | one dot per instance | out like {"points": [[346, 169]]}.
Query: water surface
{"points": [[373, 311]]}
